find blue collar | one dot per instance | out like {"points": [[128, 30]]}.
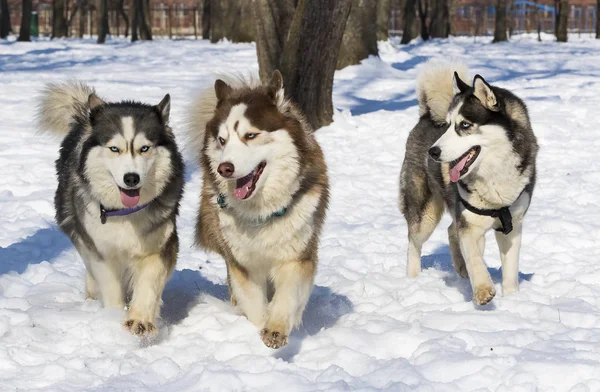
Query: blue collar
{"points": [[104, 213], [222, 202]]}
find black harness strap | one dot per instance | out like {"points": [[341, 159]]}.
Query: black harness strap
{"points": [[502, 213]]}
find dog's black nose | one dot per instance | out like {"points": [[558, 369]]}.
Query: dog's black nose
{"points": [[226, 169], [435, 153], [131, 179]]}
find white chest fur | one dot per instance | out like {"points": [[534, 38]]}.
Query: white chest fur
{"points": [[125, 237], [278, 239]]}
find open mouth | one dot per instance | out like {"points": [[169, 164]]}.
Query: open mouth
{"points": [[130, 197], [460, 166], [245, 186]]}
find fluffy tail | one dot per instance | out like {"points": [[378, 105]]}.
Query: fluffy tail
{"points": [[60, 104], [434, 87], [203, 108]]}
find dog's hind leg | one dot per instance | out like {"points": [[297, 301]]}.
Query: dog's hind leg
{"points": [[457, 257], [293, 283], [419, 230], [509, 246]]}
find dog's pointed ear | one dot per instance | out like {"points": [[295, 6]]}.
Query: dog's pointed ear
{"points": [[458, 86], [94, 101], [164, 108], [222, 89], [275, 89], [483, 91]]}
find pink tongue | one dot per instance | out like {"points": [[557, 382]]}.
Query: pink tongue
{"points": [[456, 169], [130, 200], [243, 186]]}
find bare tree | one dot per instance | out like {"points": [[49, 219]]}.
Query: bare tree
{"points": [[538, 24], [5, 28], [409, 21], [25, 30], [273, 19], [220, 22], [439, 25], [598, 20], [309, 52], [123, 14], [500, 29], [423, 11], [360, 36], [383, 19], [205, 19], [563, 21], [140, 25], [452, 15], [59, 21], [231, 19], [102, 21]]}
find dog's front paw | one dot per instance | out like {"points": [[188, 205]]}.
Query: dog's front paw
{"points": [[140, 328], [273, 338], [484, 293]]}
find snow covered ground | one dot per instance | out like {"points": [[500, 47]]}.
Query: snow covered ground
{"points": [[367, 325]]}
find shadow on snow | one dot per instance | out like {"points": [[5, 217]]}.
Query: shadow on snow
{"points": [[43, 245], [185, 289], [441, 260]]}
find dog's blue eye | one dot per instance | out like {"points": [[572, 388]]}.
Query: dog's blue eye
{"points": [[114, 149], [465, 125], [222, 141], [251, 136], [144, 148]]}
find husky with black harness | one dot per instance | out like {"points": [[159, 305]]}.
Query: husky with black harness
{"points": [[473, 152], [120, 180]]}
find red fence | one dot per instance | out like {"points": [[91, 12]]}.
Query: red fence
{"points": [[181, 20], [172, 21]]}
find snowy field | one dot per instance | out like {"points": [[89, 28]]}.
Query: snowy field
{"points": [[367, 326]]}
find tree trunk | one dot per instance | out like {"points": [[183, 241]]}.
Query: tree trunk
{"points": [[360, 36], [218, 20], [439, 26], [5, 27], [102, 20], [59, 21], [310, 56], [25, 31], [134, 16], [145, 20], [206, 19], [452, 16], [563, 21], [409, 21], [242, 26], [500, 30], [124, 16], [423, 11], [383, 20], [273, 19], [598, 20], [83, 9]]}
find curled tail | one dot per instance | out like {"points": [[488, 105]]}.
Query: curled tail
{"points": [[60, 104], [434, 87]]}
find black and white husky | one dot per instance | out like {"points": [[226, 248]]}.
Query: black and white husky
{"points": [[473, 151], [120, 180]]}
